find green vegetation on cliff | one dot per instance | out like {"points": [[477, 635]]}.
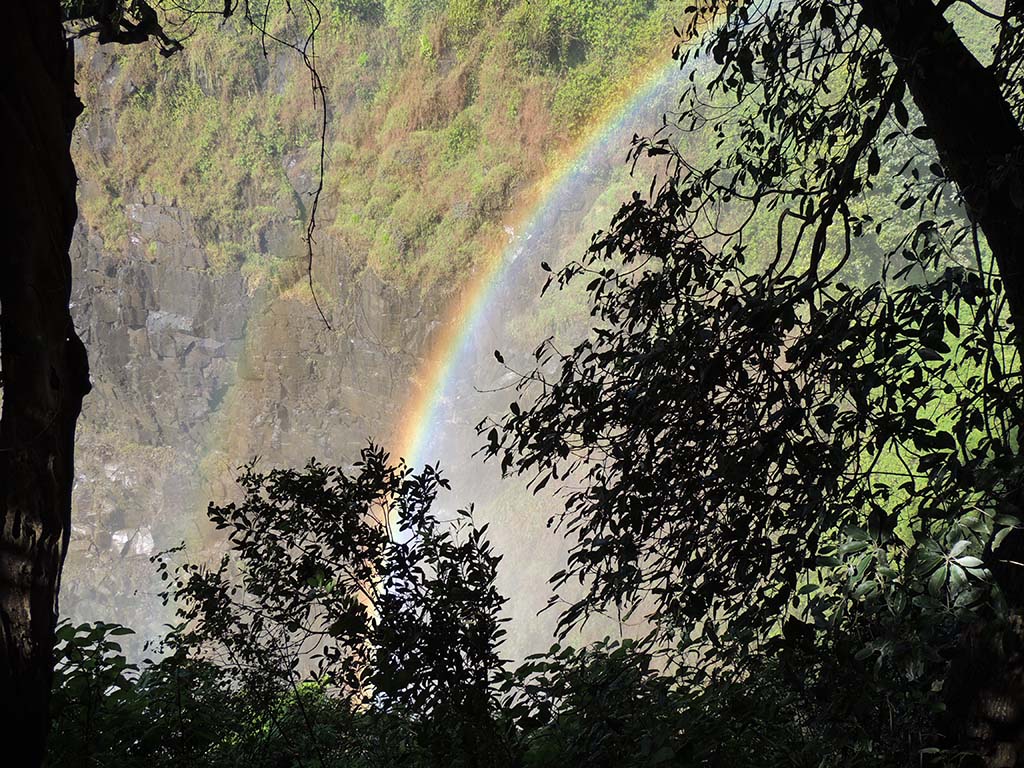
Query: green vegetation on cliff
{"points": [[439, 114]]}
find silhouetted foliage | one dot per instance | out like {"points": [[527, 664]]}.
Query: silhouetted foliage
{"points": [[754, 436], [792, 430], [335, 643], [352, 581]]}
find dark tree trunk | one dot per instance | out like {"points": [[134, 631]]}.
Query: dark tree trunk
{"points": [[982, 149], [976, 134], [45, 374]]}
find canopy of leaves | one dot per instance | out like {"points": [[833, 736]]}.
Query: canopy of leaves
{"points": [[337, 644], [799, 393]]}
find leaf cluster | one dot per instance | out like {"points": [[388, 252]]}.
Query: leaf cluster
{"points": [[740, 406], [349, 579]]}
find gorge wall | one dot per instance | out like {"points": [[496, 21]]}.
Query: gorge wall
{"points": [[205, 347]]}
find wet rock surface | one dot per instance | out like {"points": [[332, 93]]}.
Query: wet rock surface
{"points": [[198, 367]]}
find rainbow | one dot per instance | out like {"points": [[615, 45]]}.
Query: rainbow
{"points": [[421, 422]]}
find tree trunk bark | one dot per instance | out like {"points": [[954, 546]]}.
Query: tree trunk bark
{"points": [[981, 145], [976, 134], [44, 368]]}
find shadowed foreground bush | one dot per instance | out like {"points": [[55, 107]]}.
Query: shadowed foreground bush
{"points": [[349, 626]]}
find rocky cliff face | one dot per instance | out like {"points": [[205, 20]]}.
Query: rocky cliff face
{"points": [[195, 372], [162, 335], [196, 368], [201, 362]]}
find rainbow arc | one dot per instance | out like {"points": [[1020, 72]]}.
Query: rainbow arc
{"points": [[422, 420]]}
